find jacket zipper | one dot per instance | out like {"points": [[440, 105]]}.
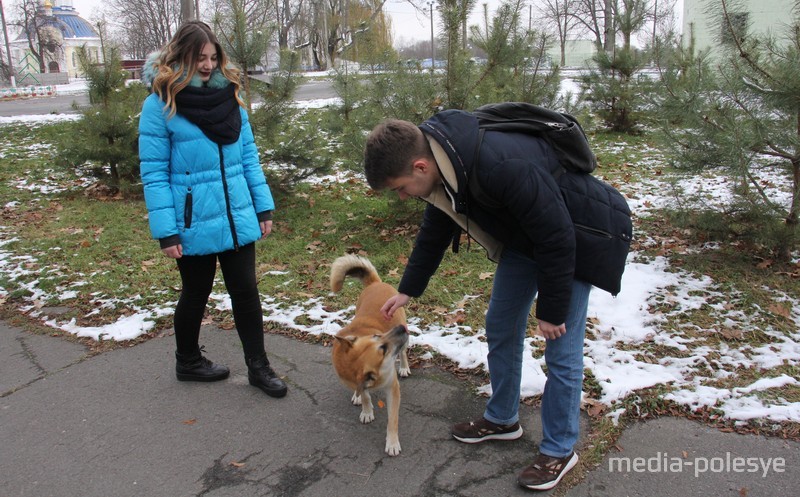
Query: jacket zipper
{"points": [[187, 210], [598, 232], [227, 198]]}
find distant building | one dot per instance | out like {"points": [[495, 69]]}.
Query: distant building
{"points": [[577, 53], [703, 18], [63, 32]]}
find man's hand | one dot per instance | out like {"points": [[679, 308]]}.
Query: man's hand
{"points": [[551, 331], [394, 303], [173, 252]]}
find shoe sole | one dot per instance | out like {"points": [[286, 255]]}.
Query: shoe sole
{"points": [[272, 393], [547, 486], [495, 436], [205, 379]]}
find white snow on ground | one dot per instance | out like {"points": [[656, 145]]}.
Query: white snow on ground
{"points": [[622, 334]]}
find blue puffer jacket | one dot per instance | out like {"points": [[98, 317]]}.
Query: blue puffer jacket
{"points": [[205, 196]]}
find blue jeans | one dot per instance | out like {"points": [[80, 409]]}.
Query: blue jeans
{"points": [[513, 291]]}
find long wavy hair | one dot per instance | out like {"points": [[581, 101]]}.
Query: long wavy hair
{"points": [[177, 64]]}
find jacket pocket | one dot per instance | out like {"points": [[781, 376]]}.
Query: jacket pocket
{"points": [[187, 211], [603, 230]]}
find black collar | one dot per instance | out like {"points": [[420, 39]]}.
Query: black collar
{"points": [[214, 111]]}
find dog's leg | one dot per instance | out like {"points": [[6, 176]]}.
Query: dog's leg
{"points": [[392, 437], [367, 414], [404, 370], [356, 399]]}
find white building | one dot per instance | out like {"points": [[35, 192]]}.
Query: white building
{"points": [[66, 31], [577, 53], [703, 18]]}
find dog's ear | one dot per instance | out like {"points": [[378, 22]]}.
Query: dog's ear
{"points": [[346, 342]]}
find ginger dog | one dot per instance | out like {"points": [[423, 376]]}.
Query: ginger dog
{"points": [[365, 351]]}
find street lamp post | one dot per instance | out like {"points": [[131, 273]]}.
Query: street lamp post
{"points": [[433, 45], [8, 47]]}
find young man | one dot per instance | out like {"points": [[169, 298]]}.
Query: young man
{"points": [[525, 219]]}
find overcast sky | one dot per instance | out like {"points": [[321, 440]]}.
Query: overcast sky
{"points": [[408, 24]]}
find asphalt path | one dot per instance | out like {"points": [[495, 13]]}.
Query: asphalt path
{"points": [[58, 104], [73, 423], [70, 103]]}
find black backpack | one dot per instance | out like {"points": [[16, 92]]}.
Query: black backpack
{"points": [[601, 249], [562, 131]]}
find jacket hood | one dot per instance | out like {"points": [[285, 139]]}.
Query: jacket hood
{"points": [[150, 71], [457, 132]]}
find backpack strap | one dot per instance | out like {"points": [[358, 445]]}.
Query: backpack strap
{"points": [[474, 185]]}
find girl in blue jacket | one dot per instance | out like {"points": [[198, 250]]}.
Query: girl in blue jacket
{"points": [[206, 195]]}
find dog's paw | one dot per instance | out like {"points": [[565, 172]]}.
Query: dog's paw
{"points": [[367, 417], [393, 448], [404, 372], [356, 400]]}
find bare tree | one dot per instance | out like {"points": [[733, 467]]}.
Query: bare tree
{"points": [[597, 17], [559, 14], [631, 18], [188, 10], [331, 26], [6, 65], [143, 26], [45, 41], [287, 14]]}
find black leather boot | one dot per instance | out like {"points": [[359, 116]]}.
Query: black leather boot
{"points": [[197, 368], [261, 375]]}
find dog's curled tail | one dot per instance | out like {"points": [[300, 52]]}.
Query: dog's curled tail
{"points": [[355, 266]]}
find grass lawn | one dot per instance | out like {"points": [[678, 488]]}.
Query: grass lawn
{"points": [[66, 246]]}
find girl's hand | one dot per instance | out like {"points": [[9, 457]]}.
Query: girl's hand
{"points": [[173, 252], [266, 228]]}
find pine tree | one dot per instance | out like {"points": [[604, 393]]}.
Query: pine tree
{"points": [[104, 140], [615, 91], [741, 113]]}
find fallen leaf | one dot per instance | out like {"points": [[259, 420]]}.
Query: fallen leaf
{"points": [[594, 408], [381, 405], [765, 264], [731, 334], [189, 421], [780, 310], [457, 318]]}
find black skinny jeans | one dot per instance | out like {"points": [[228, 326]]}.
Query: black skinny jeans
{"points": [[239, 273]]}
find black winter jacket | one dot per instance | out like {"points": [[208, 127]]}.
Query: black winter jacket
{"points": [[573, 225]]}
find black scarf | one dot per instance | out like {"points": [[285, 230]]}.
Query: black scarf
{"points": [[214, 111]]}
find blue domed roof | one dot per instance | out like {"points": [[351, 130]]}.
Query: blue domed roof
{"points": [[72, 25], [66, 19]]}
